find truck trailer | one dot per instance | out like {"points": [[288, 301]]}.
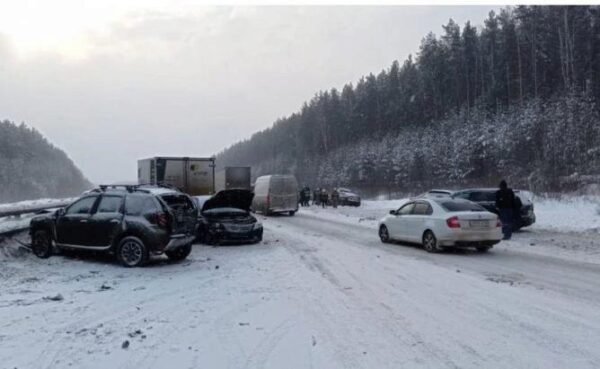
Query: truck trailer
{"points": [[194, 176], [233, 178]]}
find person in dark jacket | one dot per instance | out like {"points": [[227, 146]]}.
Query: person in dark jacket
{"points": [[505, 202], [324, 198], [306, 193], [316, 196]]}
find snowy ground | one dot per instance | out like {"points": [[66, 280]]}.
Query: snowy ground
{"points": [[320, 292]]}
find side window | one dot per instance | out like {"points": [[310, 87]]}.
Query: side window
{"points": [[422, 208], [137, 205], [82, 206], [110, 204], [406, 209]]}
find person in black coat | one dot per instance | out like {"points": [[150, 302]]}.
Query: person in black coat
{"points": [[506, 203]]}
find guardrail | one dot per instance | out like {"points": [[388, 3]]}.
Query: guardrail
{"points": [[18, 210]]}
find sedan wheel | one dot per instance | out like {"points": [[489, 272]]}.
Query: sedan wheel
{"points": [[430, 242], [384, 234]]}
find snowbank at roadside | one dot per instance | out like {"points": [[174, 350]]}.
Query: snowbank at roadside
{"points": [[581, 213]]}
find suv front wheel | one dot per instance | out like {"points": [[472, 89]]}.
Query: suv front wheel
{"points": [[179, 253], [41, 244], [132, 252]]}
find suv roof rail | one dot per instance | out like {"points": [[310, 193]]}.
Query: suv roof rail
{"points": [[127, 187], [161, 184]]}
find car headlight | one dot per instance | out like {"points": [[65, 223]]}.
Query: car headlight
{"points": [[258, 225]]}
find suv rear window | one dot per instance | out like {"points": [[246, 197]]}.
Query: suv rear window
{"points": [[488, 196], [138, 205], [453, 206]]}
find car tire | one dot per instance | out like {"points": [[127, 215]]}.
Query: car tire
{"points": [[483, 249], [430, 242], [132, 252], [41, 244], [179, 253], [292, 213], [384, 234]]}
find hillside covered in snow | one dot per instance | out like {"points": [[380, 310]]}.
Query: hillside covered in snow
{"points": [[31, 167], [516, 98]]}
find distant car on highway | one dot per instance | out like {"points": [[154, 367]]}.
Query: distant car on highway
{"points": [[486, 197], [442, 223], [131, 222], [347, 197], [226, 218]]}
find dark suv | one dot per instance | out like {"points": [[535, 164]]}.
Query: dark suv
{"points": [[486, 197], [130, 221]]}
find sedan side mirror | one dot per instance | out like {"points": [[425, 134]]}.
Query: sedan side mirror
{"points": [[393, 212]]}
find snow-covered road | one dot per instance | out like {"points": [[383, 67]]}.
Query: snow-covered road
{"points": [[320, 292]]}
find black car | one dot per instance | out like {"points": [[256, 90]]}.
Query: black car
{"points": [[226, 218], [486, 197], [131, 222]]}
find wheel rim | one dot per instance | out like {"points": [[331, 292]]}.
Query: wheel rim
{"points": [[41, 245], [383, 233], [429, 242], [131, 253]]}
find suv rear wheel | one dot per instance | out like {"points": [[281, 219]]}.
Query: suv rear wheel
{"points": [[132, 252], [179, 253], [41, 244]]}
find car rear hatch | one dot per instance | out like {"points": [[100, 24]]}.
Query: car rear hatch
{"points": [[183, 213], [476, 220]]}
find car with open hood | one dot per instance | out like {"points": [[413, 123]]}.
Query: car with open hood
{"points": [[226, 218]]}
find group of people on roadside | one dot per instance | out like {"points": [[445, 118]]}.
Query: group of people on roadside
{"points": [[319, 196]]}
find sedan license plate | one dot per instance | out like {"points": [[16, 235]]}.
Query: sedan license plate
{"points": [[478, 223]]}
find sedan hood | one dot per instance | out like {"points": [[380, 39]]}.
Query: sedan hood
{"points": [[239, 199]]}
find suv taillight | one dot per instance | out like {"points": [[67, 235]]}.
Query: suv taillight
{"points": [[452, 222], [161, 219]]}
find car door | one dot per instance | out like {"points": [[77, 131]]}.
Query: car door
{"points": [[105, 221], [399, 224], [419, 219], [73, 227]]}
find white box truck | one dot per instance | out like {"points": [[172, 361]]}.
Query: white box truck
{"points": [[233, 178], [194, 176]]}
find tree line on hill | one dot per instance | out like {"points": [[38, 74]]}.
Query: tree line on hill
{"points": [[515, 98], [32, 168]]}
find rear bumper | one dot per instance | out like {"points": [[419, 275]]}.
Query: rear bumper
{"points": [[179, 240], [470, 238]]}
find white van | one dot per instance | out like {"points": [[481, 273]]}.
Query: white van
{"points": [[277, 193]]}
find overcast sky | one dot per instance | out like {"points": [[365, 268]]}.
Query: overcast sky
{"points": [[117, 81]]}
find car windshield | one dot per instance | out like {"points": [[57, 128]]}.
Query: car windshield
{"points": [[454, 206]]}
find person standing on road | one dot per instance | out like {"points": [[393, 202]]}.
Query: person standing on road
{"points": [[505, 202], [335, 198], [306, 193], [316, 196], [323, 198]]}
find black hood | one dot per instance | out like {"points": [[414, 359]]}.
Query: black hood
{"points": [[239, 199]]}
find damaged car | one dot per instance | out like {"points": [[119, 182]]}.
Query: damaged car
{"points": [[226, 219], [131, 222]]}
